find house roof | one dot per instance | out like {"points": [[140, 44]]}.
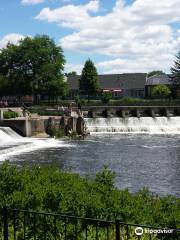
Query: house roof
{"points": [[163, 79], [109, 81]]}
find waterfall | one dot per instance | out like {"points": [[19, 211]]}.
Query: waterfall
{"points": [[8, 135], [13, 144], [149, 125]]}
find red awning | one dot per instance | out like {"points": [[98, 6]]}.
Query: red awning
{"points": [[112, 90]]}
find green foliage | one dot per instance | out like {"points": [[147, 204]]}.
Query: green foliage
{"points": [[77, 99], [73, 73], [3, 84], [129, 100], [88, 83], [106, 177], [161, 91], [10, 114], [34, 66], [175, 70], [58, 133], [106, 97], [72, 134], [49, 189], [156, 72]]}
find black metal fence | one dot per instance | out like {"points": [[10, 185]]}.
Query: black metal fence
{"points": [[18, 224]]}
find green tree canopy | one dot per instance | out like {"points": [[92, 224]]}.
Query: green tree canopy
{"points": [[34, 66], [175, 70], [88, 83], [161, 91], [156, 72], [73, 73], [106, 97]]}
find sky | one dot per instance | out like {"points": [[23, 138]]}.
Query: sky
{"points": [[120, 36]]}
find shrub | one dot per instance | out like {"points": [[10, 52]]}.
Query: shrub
{"points": [[72, 134], [59, 133], [161, 91], [52, 190], [129, 100], [10, 114], [106, 97], [77, 99]]}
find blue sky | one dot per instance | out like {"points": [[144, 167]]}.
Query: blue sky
{"points": [[118, 35]]}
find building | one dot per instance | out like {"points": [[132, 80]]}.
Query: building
{"points": [[128, 84], [155, 80]]}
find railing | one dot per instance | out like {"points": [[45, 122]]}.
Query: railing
{"points": [[18, 224]]}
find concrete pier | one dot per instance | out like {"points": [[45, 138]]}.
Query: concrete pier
{"points": [[1, 114]]}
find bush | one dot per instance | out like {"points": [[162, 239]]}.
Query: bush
{"points": [[77, 99], [52, 190], [10, 114], [59, 133], [106, 97], [129, 100], [161, 91], [72, 134]]}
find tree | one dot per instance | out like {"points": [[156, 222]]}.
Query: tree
{"points": [[34, 66], [175, 70], [3, 85], [156, 72], [161, 91], [88, 83], [69, 74]]}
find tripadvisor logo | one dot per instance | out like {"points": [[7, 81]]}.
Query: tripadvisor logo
{"points": [[139, 231]]}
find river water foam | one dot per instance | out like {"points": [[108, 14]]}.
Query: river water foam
{"points": [[13, 144]]}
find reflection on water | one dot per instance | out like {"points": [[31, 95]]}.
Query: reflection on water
{"points": [[138, 160]]}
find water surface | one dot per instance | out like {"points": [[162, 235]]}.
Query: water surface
{"points": [[151, 161]]}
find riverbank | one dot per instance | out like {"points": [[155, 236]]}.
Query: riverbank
{"points": [[52, 190]]}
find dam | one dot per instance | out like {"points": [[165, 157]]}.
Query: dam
{"points": [[132, 119], [143, 125], [102, 119]]}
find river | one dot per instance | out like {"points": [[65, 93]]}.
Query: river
{"points": [[139, 160]]}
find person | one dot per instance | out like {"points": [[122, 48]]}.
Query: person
{"points": [[69, 110], [62, 109], [79, 106], [6, 104]]}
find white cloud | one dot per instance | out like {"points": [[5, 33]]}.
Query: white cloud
{"points": [[74, 67], [140, 34], [31, 2], [142, 64], [124, 65], [70, 15], [12, 38]]}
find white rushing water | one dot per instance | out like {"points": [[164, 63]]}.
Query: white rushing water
{"points": [[148, 125], [8, 135], [12, 144]]}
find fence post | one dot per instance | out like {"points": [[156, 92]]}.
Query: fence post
{"points": [[5, 220], [117, 230]]}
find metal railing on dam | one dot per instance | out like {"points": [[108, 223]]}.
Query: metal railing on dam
{"points": [[18, 224]]}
